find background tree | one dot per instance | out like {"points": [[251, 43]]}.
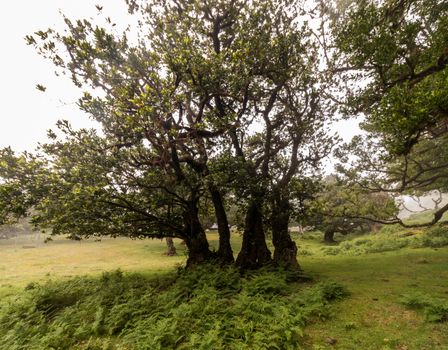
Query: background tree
{"points": [[17, 200], [395, 56], [341, 208], [171, 249]]}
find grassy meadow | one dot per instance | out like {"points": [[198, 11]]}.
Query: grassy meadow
{"points": [[25, 260], [397, 284]]}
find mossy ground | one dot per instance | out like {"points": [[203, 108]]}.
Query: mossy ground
{"points": [[372, 317]]}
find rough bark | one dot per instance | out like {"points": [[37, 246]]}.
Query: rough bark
{"points": [[254, 251], [329, 236], [198, 250], [195, 238], [225, 253], [171, 249], [285, 252]]}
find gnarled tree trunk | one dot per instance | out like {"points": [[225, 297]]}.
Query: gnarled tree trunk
{"points": [[195, 238], [225, 253], [285, 252], [254, 251]]}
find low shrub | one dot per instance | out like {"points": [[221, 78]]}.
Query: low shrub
{"points": [[390, 229], [331, 251], [311, 235], [435, 309], [346, 245], [386, 245], [304, 252], [267, 284], [390, 239], [203, 308], [361, 241], [438, 231]]}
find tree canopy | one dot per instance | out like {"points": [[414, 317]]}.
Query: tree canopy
{"points": [[211, 98], [396, 58], [205, 102]]}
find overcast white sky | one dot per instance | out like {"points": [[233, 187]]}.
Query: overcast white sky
{"points": [[27, 113]]}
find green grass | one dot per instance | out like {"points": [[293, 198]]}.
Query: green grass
{"points": [[374, 317], [380, 270], [395, 291], [62, 258]]}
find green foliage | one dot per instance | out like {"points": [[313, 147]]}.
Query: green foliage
{"points": [[204, 308], [400, 46], [269, 284], [435, 309], [383, 277], [331, 251], [390, 238], [331, 291], [15, 199], [343, 208], [395, 52], [438, 231], [174, 110]]}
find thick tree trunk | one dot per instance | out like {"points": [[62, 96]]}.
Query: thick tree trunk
{"points": [[171, 249], [254, 251], [225, 253], [198, 250], [195, 238], [285, 252], [329, 236]]}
